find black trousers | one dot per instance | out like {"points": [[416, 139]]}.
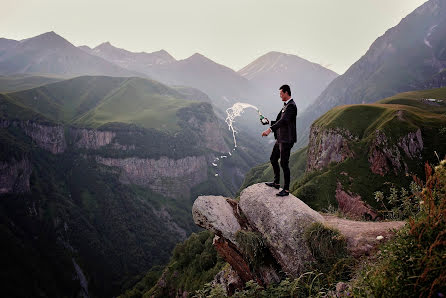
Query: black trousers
{"points": [[282, 151]]}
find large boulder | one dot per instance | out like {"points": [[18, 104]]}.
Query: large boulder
{"points": [[222, 216], [214, 213], [282, 221]]}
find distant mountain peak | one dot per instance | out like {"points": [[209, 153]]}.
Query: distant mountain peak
{"points": [[197, 57], [105, 44], [48, 39], [85, 48], [164, 53], [278, 62], [48, 35], [275, 53]]}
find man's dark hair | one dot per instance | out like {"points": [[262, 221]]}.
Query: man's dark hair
{"points": [[286, 88]]}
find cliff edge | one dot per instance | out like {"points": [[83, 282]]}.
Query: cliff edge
{"points": [[262, 236]]}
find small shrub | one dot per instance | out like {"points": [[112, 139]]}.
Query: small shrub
{"points": [[400, 205], [414, 262], [210, 291]]}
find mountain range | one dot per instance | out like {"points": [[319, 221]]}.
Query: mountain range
{"points": [[257, 83], [98, 175], [50, 53], [103, 150], [270, 71], [409, 56]]}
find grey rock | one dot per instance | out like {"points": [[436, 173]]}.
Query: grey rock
{"points": [[383, 155], [228, 279], [214, 213], [282, 222], [91, 138], [48, 137], [328, 145]]}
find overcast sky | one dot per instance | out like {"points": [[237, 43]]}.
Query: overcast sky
{"points": [[333, 33]]}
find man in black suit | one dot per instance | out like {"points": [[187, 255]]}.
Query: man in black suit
{"points": [[284, 129]]}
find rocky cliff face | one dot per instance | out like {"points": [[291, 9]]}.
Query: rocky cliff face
{"points": [[171, 177], [210, 133], [14, 176], [327, 146], [351, 204], [385, 156], [47, 136], [383, 153], [167, 176], [280, 223], [91, 138], [51, 138], [334, 145]]}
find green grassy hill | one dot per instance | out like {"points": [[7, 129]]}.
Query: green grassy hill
{"points": [[94, 101], [409, 56], [79, 210], [20, 82], [396, 116]]}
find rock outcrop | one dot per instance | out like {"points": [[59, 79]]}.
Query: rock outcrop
{"points": [[211, 135], [171, 177], [225, 225], [228, 279], [351, 204], [47, 136], [91, 138], [50, 137], [327, 146], [385, 156], [281, 223], [14, 176]]}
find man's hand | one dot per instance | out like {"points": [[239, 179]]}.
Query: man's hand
{"points": [[264, 121], [266, 132]]}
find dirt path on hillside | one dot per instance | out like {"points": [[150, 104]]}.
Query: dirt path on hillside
{"points": [[361, 235]]}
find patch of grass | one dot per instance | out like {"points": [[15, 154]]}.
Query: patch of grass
{"points": [[19, 82], [252, 247], [329, 248], [326, 244], [194, 263], [92, 101]]}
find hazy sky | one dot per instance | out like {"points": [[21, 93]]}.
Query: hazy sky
{"points": [[334, 33]]}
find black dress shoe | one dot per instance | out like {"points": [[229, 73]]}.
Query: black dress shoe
{"points": [[272, 184], [282, 193]]}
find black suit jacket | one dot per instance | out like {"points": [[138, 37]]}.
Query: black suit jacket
{"points": [[284, 127]]}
